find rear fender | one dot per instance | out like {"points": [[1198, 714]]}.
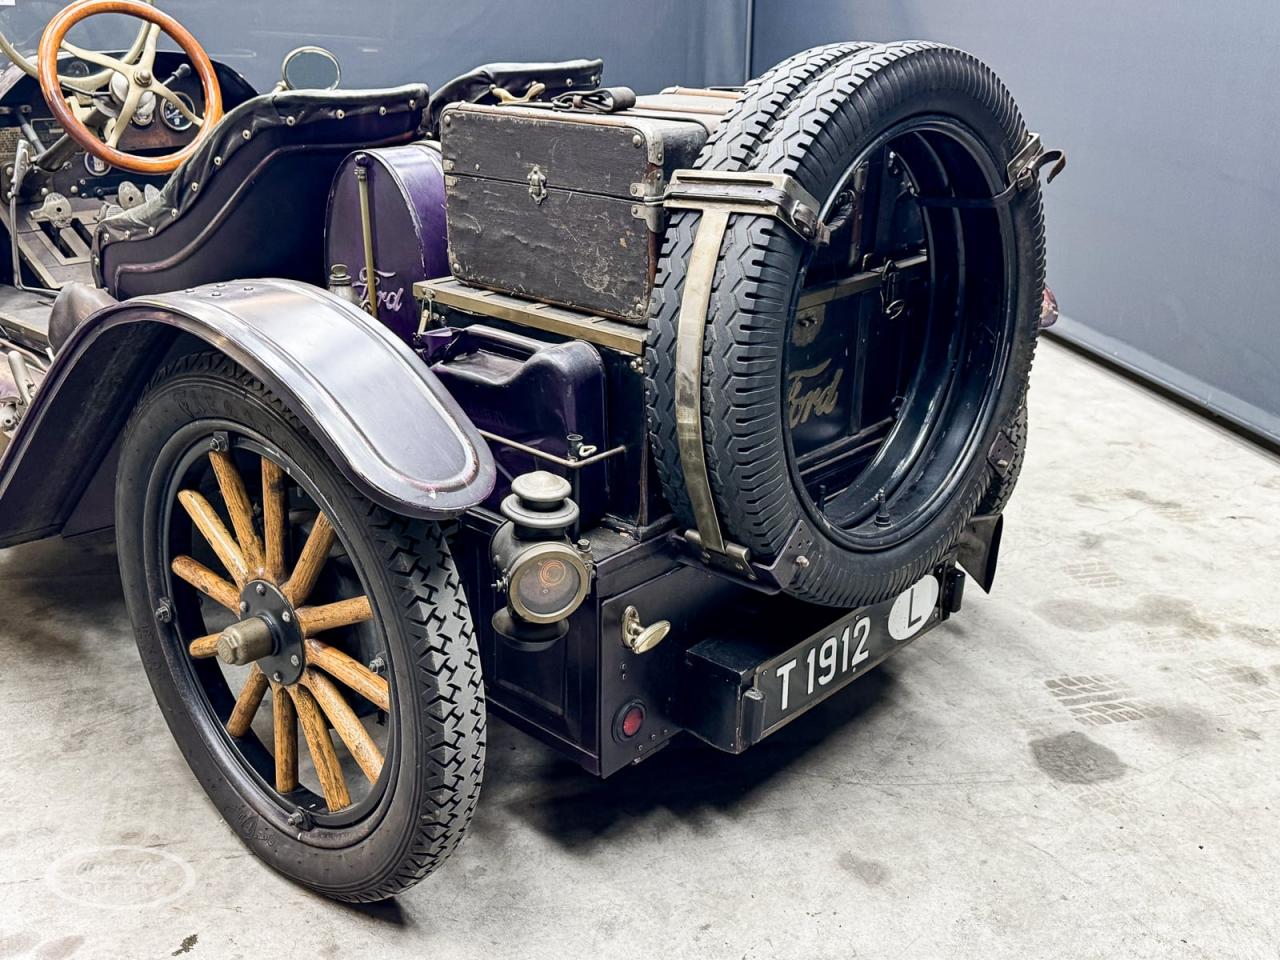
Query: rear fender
{"points": [[376, 409]]}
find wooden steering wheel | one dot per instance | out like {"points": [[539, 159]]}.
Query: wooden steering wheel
{"points": [[140, 77]]}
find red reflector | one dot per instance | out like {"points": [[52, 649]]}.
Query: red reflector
{"points": [[632, 720]]}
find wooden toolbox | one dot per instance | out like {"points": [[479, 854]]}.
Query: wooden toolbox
{"points": [[563, 205]]}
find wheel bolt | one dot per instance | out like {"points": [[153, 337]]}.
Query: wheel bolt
{"points": [[293, 659], [260, 590], [287, 617], [278, 677], [244, 606]]}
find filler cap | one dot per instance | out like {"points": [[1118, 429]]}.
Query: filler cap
{"points": [[540, 501]]}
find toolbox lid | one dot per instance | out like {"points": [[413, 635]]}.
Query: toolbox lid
{"points": [[579, 150]]}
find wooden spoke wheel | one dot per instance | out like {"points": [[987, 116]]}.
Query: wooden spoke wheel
{"points": [[313, 655]]}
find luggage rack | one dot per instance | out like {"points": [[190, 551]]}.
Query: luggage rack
{"points": [[448, 292]]}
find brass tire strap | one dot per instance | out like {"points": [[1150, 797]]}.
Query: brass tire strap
{"points": [[718, 194], [688, 389]]}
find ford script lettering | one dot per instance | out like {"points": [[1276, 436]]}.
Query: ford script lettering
{"points": [[804, 399], [389, 298]]}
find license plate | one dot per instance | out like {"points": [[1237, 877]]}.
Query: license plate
{"points": [[829, 660]]}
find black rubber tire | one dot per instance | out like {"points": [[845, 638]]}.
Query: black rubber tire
{"points": [[764, 102], [1001, 489], [437, 759], [733, 146], [837, 114]]}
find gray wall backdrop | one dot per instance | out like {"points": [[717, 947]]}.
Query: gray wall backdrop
{"points": [[385, 42], [1164, 232]]}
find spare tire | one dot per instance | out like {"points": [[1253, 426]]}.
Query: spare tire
{"points": [[747, 126], [851, 395], [1008, 452]]}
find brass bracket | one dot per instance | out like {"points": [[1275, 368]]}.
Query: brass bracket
{"points": [[767, 194], [1028, 161]]}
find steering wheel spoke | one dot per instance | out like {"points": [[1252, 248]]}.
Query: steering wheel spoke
{"points": [[98, 59], [127, 110], [160, 90], [147, 60]]}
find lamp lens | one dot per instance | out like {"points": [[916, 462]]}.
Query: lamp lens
{"points": [[547, 586]]}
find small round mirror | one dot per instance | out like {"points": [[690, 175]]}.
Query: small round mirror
{"points": [[310, 68]]}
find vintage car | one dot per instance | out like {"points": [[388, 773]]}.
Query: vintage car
{"points": [[618, 417]]}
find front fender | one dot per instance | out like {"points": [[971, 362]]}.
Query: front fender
{"points": [[375, 408]]}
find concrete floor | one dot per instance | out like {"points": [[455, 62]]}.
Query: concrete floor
{"points": [[1081, 765]]}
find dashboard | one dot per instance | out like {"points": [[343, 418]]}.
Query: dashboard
{"points": [[160, 130]]}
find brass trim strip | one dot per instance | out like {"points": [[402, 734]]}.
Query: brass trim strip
{"points": [[688, 392], [543, 455], [366, 232], [571, 323]]}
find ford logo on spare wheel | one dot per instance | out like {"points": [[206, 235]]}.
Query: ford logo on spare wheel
{"points": [[911, 611]]}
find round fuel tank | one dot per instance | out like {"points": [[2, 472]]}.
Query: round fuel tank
{"points": [[405, 188]]}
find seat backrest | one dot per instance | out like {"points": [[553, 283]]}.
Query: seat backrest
{"points": [[251, 201], [477, 86]]}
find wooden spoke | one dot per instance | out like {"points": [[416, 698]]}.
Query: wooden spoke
{"points": [[210, 524], [275, 522], [357, 676], [206, 646], [241, 510], [330, 616], [310, 562], [247, 703], [345, 723], [323, 757], [207, 582], [286, 734]]}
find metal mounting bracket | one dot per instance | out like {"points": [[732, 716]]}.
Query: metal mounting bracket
{"points": [[767, 194], [718, 194]]}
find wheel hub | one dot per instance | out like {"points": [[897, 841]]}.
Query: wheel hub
{"points": [[264, 605]]}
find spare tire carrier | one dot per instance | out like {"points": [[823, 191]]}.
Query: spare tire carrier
{"points": [[717, 194]]}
